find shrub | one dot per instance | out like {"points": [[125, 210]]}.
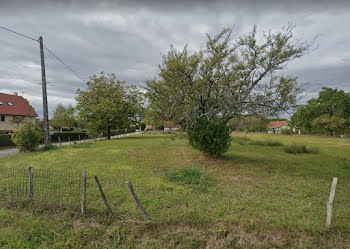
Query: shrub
{"points": [[300, 148], [286, 132], [212, 137], [71, 135], [27, 137], [5, 140], [267, 142], [190, 176]]}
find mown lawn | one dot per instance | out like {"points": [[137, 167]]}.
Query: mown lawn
{"points": [[254, 197]]}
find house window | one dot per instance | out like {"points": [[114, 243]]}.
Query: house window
{"points": [[2, 118], [1, 103], [10, 104]]}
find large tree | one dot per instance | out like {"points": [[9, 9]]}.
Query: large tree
{"points": [[227, 79], [107, 103], [329, 113]]}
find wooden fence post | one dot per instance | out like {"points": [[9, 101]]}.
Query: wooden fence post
{"points": [[69, 140], [138, 203], [109, 211], [79, 139], [31, 193], [83, 194], [330, 202], [59, 140]]}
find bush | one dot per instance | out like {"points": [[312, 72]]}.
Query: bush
{"points": [[5, 140], [300, 148], [71, 135], [286, 132], [190, 176], [210, 137], [27, 137]]}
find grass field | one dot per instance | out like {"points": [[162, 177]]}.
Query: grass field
{"points": [[256, 196]]}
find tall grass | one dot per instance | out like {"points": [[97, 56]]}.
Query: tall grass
{"points": [[295, 148]]}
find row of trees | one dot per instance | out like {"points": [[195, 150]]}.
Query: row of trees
{"points": [[329, 113], [204, 90]]}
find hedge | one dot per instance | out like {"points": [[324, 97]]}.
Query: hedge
{"points": [[5, 140], [73, 136]]}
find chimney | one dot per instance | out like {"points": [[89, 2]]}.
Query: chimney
{"points": [[15, 93]]}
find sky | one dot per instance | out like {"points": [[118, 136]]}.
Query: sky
{"points": [[128, 38]]}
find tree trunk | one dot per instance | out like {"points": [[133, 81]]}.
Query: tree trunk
{"points": [[108, 132]]}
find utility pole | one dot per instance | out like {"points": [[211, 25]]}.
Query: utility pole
{"points": [[45, 109]]}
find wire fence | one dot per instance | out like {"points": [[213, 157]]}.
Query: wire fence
{"points": [[40, 187]]}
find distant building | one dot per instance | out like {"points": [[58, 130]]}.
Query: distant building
{"points": [[169, 126], [277, 126], [14, 110]]}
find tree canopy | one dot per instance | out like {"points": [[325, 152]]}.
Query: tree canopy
{"points": [[108, 104], [227, 78], [63, 117], [329, 113]]}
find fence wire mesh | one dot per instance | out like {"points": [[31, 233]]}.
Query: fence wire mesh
{"points": [[50, 187]]}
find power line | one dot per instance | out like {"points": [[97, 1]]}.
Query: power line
{"points": [[28, 37], [65, 64]]}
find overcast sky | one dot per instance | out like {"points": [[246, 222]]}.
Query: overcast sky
{"points": [[129, 37]]}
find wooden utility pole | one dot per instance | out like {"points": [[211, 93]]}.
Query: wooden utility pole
{"points": [[45, 109]]}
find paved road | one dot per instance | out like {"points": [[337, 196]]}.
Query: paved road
{"points": [[9, 152]]}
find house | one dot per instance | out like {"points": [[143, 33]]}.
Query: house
{"points": [[168, 126], [277, 126], [14, 110]]}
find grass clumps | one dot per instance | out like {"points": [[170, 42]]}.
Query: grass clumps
{"points": [[295, 148], [188, 176], [267, 142], [241, 140]]}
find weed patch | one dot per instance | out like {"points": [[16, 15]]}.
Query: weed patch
{"points": [[266, 142], [188, 176], [295, 148]]}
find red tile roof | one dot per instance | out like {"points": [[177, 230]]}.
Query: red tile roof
{"points": [[20, 106], [276, 124]]}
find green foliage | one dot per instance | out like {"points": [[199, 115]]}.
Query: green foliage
{"points": [[210, 137], [27, 137], [5, 140], [286, 132], [66, 136], [189, 176], [248, 124], [63, 117], [227, 78], [295, 148], [108, 104], [328, 114]]}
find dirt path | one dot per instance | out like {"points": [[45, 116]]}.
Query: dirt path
{"points": [[9, 152]]}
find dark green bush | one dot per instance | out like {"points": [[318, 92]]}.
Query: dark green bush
{"points": [[190, 176], [5, 140], [212, 137], [73, 136], [27, 137], [286, 132], [300, 148]]}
